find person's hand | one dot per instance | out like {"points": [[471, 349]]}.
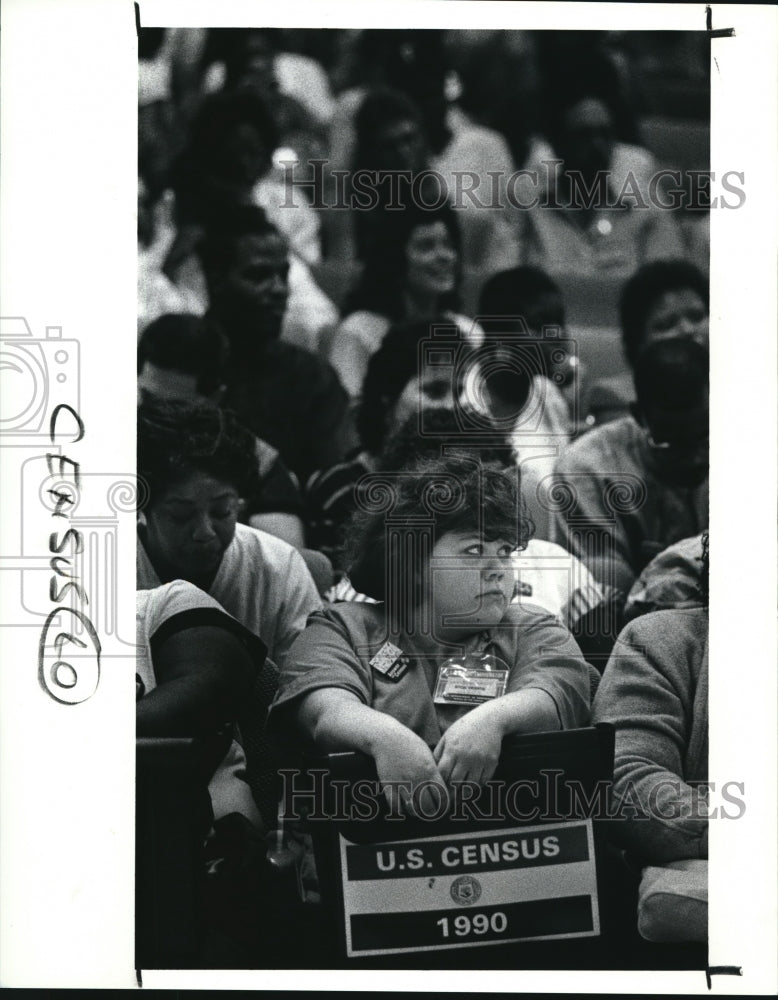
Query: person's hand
{"points": [[405, 768], [469, 749]]}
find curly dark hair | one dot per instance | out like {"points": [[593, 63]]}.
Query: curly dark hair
{"points": [[177, 439], [406, 444], [383, 279], [389, 541], [645, 288]]}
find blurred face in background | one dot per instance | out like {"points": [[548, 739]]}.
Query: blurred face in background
{"points": [[679, 313], [422, 393], [253, 292], [399, 145], [560, 359], [257, 65], [242, 156], [164, 383], [586, 137], [431, 260]]}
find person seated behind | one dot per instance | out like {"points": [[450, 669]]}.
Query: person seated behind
{"points": [[592, 216], [546, 574], [229, 161], [531, 295], [182, 357], [195, 667], [393, 390], [664, 299], [372, 677], [229, 156], [197, 463], [404, 123], [655, 692], [157, 294], [388, 138], [411, 272], [257, 60], [283, 393], [627, 490], [671, 580], [517, 377]]}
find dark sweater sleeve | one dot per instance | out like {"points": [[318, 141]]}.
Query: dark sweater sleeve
{"points": [[648, 693], [597, 493]]}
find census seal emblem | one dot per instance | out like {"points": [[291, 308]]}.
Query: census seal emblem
{"points": [[465, 890]]}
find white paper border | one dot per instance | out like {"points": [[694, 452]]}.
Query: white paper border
{"points": [[68, 77]]}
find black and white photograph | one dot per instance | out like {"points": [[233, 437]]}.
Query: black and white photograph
{"points": [[423, 406]]}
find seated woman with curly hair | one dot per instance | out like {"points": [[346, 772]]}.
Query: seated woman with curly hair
{"points": [[430, 680], [198, 464]]}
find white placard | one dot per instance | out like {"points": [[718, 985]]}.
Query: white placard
{"points": [[470, 889]]}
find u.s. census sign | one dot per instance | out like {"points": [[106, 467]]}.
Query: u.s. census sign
{"points": [[470, 889]]}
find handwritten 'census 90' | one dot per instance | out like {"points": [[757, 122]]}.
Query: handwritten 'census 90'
{"points": [[66, 682]]}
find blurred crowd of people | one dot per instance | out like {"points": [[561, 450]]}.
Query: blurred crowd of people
{"points": [[356, 254]]}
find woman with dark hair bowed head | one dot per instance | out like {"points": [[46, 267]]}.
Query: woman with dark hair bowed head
{"points": [[411, 272], [199, 464], [430, 680]]}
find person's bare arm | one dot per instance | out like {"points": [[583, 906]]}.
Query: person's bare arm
{"points": [[337, 720], [204, 675], [469, 750]]}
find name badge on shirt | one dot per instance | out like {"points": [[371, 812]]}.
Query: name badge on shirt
{"points": [[470, 680], [390, 661]]}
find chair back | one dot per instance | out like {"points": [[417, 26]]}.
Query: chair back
{"points": [[172, 817], [517, 863]]}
